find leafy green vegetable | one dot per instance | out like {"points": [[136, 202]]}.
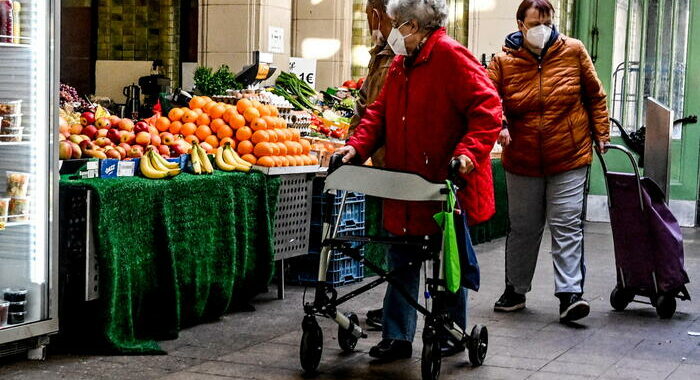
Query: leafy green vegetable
{"points": [[211, 83], [295, 91]]}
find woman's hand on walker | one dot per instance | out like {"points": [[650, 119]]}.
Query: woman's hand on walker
{"points": [[348, 152], [466, 165]]}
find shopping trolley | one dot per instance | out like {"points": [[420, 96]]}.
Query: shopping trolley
{"points": [[647, 239], [387, 184]]}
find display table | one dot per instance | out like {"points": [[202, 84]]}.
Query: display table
{"points": [[177, 252]]}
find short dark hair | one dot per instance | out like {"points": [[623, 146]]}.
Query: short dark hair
{"points": [[542, 6]]}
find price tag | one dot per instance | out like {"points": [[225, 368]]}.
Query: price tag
{"points": [[126, 168], [304, 69]]}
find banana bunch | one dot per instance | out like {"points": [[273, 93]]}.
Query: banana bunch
{"points": [[154, 166], [228, 160], [200, 161]]}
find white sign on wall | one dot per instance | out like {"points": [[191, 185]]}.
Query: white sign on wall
{"points": [[275, 39], [304, 68]]}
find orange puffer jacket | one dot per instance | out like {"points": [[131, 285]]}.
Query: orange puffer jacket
{"points": [[554, 106]]}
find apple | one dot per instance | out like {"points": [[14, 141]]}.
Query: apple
{"points": [[143, 138], [86, 145], [103, 142], [124, 137], [65, 150], [126, 146], [113, 153], [141, 126], [61, 137], [76, 129], [64, 130], [155, 140], [126, 125], [207, 148], [114, 135], [87, 118], [114, 121], [75, 138], [101, 133], [90, 131], [122, 151], [164, 150], [153, 130], [84, 137], [96, 154], [167, 138], [77, 152], [103, 123], [135, 152]]}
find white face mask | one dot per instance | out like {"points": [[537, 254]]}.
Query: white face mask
{"points": [[539, 36], [397, 41], [377, 36]]}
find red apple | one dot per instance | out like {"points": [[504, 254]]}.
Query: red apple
{"points": [[180, 148], [122, 151], [87, 118], [65, 150], [153, 130], [125, 146], [103, 142], [167, 138], [101, 133], [114, 135], [164, 150], [135, 152], [86, 145], [103, 123], [207, 148], [90, 131], [64, 130], [113, 153], [77, 152], [155, 140], [75, 138], [114, 121], [143, 138], [141, 126], [126, 125], [126, 137]]}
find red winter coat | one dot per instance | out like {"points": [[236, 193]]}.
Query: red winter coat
{"points": [[441, 106]]}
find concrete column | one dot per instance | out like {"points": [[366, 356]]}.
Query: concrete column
{"points": [[489, 23]]}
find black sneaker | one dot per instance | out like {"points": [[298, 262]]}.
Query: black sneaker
{"points": [[572, 307], [374, 318], [389, 350], [510, 301]]}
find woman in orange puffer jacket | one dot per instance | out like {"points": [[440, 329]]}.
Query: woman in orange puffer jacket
{"points": [[554, 111]]}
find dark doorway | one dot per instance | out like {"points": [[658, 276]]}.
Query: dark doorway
{"points": [[189, 30], [79, 44]]}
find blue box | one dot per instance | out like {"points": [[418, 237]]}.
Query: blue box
{"points": [[113, 168]]}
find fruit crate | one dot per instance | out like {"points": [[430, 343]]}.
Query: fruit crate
{"points": [[293, 216]]}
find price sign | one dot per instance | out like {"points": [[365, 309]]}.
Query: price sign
{"points": [[275, 39], [304, 69]]}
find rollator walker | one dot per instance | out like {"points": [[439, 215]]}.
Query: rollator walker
{"points": [[387, 184]]}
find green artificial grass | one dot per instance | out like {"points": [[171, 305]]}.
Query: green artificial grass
{"points": [[179, 251]]}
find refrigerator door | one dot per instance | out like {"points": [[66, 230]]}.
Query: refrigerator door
{"points": [[28, 169]]}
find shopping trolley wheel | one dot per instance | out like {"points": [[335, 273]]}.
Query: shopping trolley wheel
{"points": [[478, 345], [620, 298], [311, 346], [346, 340], [665, 306], [431, 358]]}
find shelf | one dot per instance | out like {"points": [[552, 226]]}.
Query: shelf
{"points": [[287, 169], [10, 143], [17, 224], [14, 46]]}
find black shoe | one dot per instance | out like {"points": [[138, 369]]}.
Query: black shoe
{"points": [[510, 301], [572, 307], [449, 348], [389, 350], [374, 318]]}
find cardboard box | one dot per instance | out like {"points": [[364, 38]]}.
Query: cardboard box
{"points": [[113, 168]]}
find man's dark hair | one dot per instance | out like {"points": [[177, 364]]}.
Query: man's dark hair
{"points": [[542, 6], [378, 4]]}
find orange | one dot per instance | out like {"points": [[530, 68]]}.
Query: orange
{"points": [[250, 158], [197, 102], [208, 106], [206, 99], [237, 121], [224, 131], [227, 140], [291, 148], [274, 111], [274, 136], [190, 116], [243, 133], [260, 136], [278, 161], [217, 111], [255, 103], [258, 124], [188, 129], [265, 161], [212, 140], [230, 112], [284, 160], [264, 110], [275, 149], [198, 111], [292, 161], [270, 122], [282, 133], [162, 124], [305, 145], [203, 119], [203, 131], [245, 147], [216, 124], [243, 105], [283, 149], [314, 160], [263, 149], [281, 123], [175, 127], [251, 114], [192, 139], [175, 114], [296, 136]]}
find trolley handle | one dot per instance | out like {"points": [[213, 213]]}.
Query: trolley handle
{"points": [[335, 162], [634, 166], [453, 173]]}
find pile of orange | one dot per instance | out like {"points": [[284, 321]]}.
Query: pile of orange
{"points": [[253, 129]]}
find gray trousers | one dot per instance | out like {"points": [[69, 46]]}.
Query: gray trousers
{"points": [[559, 201]]}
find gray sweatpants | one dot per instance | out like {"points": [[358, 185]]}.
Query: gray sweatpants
{"points": [[558, 200]]}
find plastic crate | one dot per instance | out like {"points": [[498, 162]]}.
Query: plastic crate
{"points": [[342, 270]]}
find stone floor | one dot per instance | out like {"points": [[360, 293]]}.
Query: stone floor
{"points": [[634, 344]]}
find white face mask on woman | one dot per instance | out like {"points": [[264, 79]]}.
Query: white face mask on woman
{"points": [[397, 41], [539, 36], [377, 36]]}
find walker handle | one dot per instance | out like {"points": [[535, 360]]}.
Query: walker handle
{"points": [[336, 161], [453, 173]]}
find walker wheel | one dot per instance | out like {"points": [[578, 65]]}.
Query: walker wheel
{"points": [[311, 346], [620, 298], [431, 359], [478, 345], [666, 306], [346, 340]]}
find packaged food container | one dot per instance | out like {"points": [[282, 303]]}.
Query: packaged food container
{"points": [[18, 307], [16, 318], [14, 294], [6, 21], [10, 107], [11, 121], [17, 184], [19, 209], [4, 209], [11, 134], [4, 311]]}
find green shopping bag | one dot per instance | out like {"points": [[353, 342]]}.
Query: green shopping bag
{"points": [[445, 219]]}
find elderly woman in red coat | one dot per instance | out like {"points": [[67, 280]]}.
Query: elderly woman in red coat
{"points": [[437, 104]]}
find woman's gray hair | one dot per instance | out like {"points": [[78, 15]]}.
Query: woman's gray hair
{"points": [[430, 14]]}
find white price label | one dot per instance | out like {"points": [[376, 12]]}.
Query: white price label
{"points": [[304, 69]]}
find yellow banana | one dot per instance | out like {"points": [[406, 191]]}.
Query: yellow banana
{"points": [[173, 172], [196, 162], [155, 163], [221, 162], [206, 164], [228, 156], [148, 170], [232, 157], [166, 163]]}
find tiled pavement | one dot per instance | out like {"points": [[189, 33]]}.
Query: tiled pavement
{"points": [[532, 344]]}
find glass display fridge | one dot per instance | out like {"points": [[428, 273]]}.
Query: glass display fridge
{"points": [[28, 175]]}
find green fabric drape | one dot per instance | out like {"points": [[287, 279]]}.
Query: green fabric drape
{"points": [[176, 252]]}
